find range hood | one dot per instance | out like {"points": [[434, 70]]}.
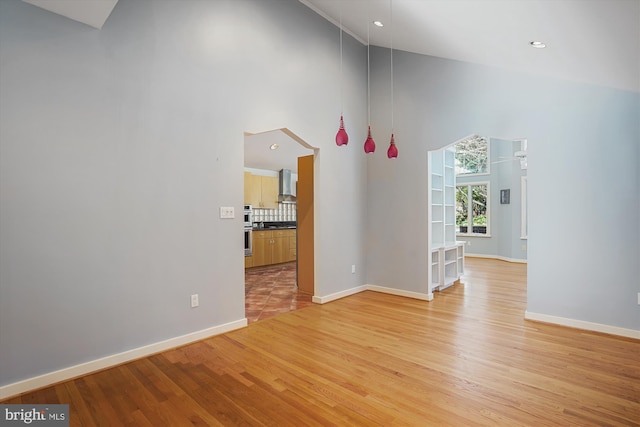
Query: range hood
{"points": [[286, 187]]}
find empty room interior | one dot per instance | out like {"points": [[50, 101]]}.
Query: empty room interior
{"points": [[432, 234]]}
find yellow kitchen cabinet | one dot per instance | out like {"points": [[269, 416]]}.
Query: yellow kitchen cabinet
{"points": [[262, 248], [248, 262], [269, 192], [260, 191], [279, 246], [272, 247], [292, 245], [252, 189]]}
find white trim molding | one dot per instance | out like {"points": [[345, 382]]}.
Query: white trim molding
{"points": [[65, 374], [338, 295], [401, 293], [498, 257], [381, 289], [581, 324]]}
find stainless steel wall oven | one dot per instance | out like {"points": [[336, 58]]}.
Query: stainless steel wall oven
{"points": [[248, 241], [248, 230], [248, 216]]}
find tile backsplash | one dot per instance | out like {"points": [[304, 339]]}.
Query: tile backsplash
{"points": [[284, 212]]}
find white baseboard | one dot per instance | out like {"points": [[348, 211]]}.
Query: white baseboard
{"points": [[113, 360], [581, 324], [501, 258], [381, 289], [400, 292], [338, 295]]}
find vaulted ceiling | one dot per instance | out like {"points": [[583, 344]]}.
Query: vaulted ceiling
{"points": [[593, 41], [91, 12]]}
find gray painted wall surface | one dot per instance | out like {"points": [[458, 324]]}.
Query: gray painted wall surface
{"points": [[118, 148], [583, 144]]}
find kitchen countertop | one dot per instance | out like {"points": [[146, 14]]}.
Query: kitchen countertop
{"points": [[278, 228]]}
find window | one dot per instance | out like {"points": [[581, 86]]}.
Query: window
{"points": [[472, 208], [472, 156]]}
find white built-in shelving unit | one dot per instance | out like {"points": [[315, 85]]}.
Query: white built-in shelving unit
{"points": [[447, 255]]}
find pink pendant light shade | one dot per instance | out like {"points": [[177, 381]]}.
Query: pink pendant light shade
{"points": [[341, 137], [392, 152], [369, 144]]}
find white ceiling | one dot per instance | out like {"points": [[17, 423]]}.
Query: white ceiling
{"points": [[592, 41], [259, 155], [90, 12]]}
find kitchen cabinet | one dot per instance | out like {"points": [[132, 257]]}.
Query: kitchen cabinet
{"points": [[260, 191], [261, 248], [272, 247], [248, 261], [269, 192], [252, 189], [279, 247], [292, 245]]}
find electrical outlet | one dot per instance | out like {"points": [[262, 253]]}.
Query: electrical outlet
{"points": [[353, 269], [524, 248], [194, 301], [638, 298], [227, 212]]}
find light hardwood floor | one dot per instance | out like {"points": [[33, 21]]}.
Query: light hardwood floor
{"points": [[467, 358]]}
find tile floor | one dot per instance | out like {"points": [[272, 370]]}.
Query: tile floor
{"points": [[272, 290]]}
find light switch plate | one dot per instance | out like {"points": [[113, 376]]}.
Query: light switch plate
{"points": [[227, 212]]}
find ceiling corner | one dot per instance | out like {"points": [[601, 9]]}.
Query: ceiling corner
{"points": [[90, 12]]}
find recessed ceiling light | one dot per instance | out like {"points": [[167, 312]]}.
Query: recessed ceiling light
{"points": [[378, 23], [538, 44], [274, 146]]}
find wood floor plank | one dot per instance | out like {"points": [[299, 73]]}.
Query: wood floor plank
{"points": [[467, 358]]}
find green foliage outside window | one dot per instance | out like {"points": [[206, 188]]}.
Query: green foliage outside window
{"points": [[472, 156], [478, 194]]}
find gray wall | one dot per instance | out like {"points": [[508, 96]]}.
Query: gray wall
{"points": [[119, 146], [583, 143]]}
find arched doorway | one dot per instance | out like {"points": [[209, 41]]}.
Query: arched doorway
{"points": [[477, 205], [279, 264]]}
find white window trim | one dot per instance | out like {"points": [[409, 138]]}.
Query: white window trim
{"points": [[469, 203], [524, 226]]}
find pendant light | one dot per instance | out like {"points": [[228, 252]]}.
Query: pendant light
{"points": [[392, 152], [369, 143], [341, 137]]}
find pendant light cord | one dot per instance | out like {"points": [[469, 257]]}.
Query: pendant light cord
{"points": [[341, 76], [368, 71], [391, 19]]}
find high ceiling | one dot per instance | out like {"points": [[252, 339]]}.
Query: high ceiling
{"points": [[593, 41], [90, 12], [259, 155]]}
